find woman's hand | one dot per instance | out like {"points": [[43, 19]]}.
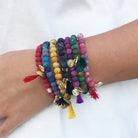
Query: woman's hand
{"points": [[18, 100]]}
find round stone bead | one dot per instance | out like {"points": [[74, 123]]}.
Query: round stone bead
{"points": [[60, 48], [76, 84], [72, 68], [73, 41], [82, 45], [79, 69], [47, 85], [81, 78], [51, 79], [84, 86], [53, 84], [38, 59], [74, 73], [91, 83], [37, 54], [88, 79], [73, 37], [45, 59], [53, 41], [49, 90], [75, 51], [53, 49], [74, 78], [82, 41], [47, 69], [55, 88], [80, 74], [70, 56], [54, 59], [56, 93], [53, 54], [74, 47], [45, 50], [87, 74], [55, 64], [61, 53], [69, 51], [67, 41], [46, 43], [60, 40], [45, 81], [63, 64], [82, 83], [62, 58], [46, 64], [86, 69], [83, 51], [49, 74], [45, 54], [58, 76], [57, 70], [68, 46]]}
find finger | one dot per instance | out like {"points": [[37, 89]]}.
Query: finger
{"points": [[8, 126]]}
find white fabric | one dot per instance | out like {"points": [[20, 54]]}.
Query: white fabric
{"points": [[26, 23]]}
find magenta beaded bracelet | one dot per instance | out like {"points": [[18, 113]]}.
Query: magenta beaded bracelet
{"points": [[90, 82]]}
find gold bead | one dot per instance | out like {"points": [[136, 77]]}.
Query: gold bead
{"points": [[53, 41], [40, 73], [63, 106], [62, 91], [58, 82], [98, 84], [75, 92], [56, 65], [53, 54], [41, 68], [67, 96], [58, 76], [53, 49], [62, 85], [70, 63], [57, 70]]}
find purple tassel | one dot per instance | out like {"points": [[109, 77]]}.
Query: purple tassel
{"points": [[79, 99]]}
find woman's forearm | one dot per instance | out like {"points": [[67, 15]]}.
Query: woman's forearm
{"points": [[113, 56]]}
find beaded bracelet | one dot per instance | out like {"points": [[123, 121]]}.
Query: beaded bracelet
{"points": [[40, 72], [46, 64], [91, 83]]}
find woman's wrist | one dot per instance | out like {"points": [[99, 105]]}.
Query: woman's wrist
{"points": [[113, 55]]}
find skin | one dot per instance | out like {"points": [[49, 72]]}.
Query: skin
{"points": [[112, 56]]}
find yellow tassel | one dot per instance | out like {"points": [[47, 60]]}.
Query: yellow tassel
{"points": [[71, 113]]}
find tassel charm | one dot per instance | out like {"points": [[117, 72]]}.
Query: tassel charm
{"points": [[71, 113], [93, 93], [32, 77], [79, 99], [29, 78]]}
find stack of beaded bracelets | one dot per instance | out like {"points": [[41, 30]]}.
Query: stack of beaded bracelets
{"points": [[63, 68]]}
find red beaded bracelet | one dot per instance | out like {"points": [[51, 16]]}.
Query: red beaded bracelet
{"points": [[40, 72]]}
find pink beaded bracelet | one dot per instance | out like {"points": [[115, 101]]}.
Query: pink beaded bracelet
{"points": [[90, 82]]}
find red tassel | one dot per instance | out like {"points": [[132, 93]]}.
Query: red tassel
{"points": [[29, 78], [93, 94]]}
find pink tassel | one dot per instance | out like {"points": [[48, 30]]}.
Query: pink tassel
{"points": [[29, 78], [79, 99], [93, 94]]}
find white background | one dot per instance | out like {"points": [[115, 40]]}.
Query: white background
{"points": [[26, 23]]}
